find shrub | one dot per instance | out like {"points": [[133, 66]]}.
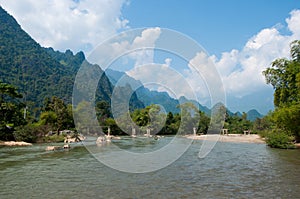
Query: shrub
{"points": [[279, 139], [26, 133], [54, 138], [264, 133]]}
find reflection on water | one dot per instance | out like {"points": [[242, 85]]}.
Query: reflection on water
{"points": [[230, 171], [135, 144]]}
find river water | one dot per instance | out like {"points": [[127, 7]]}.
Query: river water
{"points": [[231, 170]]}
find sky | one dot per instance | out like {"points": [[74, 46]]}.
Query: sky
{"points": [[241, 38]]}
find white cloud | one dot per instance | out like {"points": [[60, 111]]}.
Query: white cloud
{"points": [[228, 60], [204, 79], [167, 62], [241, 71], [161, 77], [293, 23], [78, 25], [133, 46], [147, 39]]}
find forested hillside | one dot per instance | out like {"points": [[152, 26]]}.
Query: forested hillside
{"points": [[38, 72]]}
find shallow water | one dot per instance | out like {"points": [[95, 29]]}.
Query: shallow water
{"points": [[231, 170]]}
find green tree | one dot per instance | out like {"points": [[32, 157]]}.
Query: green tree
{"points": [[172, 124], [287, 118], [218, 116], [237, 124], [49, 118], [157, 118], [102, 111], [203, 123], [189, 117], [149, 117], [86, 121], [11, 111], [8, 90], [263, 124], [284, 76], [57, 114], [141, 117], [115, 130]]}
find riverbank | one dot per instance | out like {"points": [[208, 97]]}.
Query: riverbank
{"points": [[13, 143], [237, 138]]}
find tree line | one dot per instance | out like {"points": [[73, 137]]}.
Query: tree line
{"points": [[18, 123]]}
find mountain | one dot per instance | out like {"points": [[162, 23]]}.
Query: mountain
{"points": [[239, 114], [253, 115], [154, 97], [149, 97], [202, 108], [39, 72], [261, 100], [144, 94], [25, 64]]}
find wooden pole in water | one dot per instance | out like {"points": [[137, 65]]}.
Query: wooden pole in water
{"points": [[25, 113], [108, 131]]}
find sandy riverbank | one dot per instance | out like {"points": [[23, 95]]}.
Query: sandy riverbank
{"points": [[238, 138], [13, 143]]}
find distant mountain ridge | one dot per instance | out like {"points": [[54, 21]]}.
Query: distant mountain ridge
{"points": [[149, 97], [144, 94], [253, 115], [170, 104]]}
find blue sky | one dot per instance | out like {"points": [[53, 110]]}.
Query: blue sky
{"points": [[217, 25], [241, 37]]}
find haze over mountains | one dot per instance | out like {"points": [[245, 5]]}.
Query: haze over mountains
{"points": [[40, 72], [170, 104]]}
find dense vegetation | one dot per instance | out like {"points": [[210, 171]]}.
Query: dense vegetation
{"points": [[55, 116], [17, 122], [284, 121]]}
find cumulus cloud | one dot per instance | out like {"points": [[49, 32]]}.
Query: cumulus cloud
{"points": [[143, 54], [241, 70], [161, 77], [293, 23], [205, 79], [78, 25], [134, 45]]}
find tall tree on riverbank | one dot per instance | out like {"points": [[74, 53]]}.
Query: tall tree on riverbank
{"points": [[11, 114], [56, 114], [284, 76]]}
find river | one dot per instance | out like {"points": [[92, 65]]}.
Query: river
{"points": [[231, 170]]}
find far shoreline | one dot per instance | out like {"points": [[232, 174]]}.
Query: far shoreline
{"points": [[233, 138], [14, 143]]}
